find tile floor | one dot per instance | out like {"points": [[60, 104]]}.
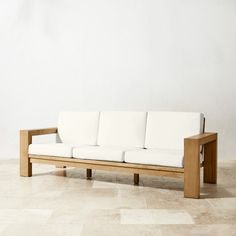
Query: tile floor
{"points": [[60, 202]]}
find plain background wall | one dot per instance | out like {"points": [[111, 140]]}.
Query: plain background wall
{"points": [[116, 55]]}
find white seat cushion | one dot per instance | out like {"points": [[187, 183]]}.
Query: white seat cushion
{"points": [[100, 153], [125, 129], [78, 128], [53, 149], [173, 158], [167, 130], [161, 157]]}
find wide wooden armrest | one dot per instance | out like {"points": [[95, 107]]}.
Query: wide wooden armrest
{"points": [[202, 139], [33, 132], [192, 162], [25, 140]]}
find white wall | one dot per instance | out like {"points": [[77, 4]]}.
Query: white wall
{"points": [[116, 55]]}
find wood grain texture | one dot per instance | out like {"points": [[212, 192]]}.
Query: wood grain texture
{"points": [[42, 131], [210, 163], [204, 138], [110, 163], [25, 141], [25, 164], [191, 168], [110, 166]]}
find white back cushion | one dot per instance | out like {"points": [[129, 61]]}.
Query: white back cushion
{"points": [[78, 128], [122, 129], [167, 130]]}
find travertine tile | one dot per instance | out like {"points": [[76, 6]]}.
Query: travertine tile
{"points": [[223, 203], [104, 184], [198, 230], [121, 230], [85, 216], [99, 230], [2, 228], [213, 216], [99, 176], [104, 216], [42, 230], [20, 216], [158, 216], [11, 202], [69, 216]]}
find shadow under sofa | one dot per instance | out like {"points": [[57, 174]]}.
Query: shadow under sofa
{"points": [[160, 143]]}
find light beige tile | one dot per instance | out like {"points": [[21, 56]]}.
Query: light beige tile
{"points": [[90, 193], [42, 230], [103, 216], [11, 202], [31, 216], [107, 203], [213, 216], [21, 216], [103, 184], [68, 216], [232, 191], [8, 215], [198, 230], [223, 203], [99, 230], [121, 230], [158, 216], [77, 183], [3, 227], [85, 216], [104, 176]]}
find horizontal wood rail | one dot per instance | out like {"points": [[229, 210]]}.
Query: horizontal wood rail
{"points": [[109, 165]]}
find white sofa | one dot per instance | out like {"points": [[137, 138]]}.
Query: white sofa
{"points": [[154, 138]]}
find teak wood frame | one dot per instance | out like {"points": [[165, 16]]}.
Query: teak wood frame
{"points": [[190, 172]]}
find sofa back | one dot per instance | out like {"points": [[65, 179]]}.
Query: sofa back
{"points": [[156, 129], [78, 128], [167, 130], [125, 129]]}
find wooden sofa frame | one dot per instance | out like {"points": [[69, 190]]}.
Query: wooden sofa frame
{"points": [[190, 172]]}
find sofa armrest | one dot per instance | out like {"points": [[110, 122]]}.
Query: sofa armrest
{"points": [[25, 141], [34, 132], [202, 139], [192, 162]]}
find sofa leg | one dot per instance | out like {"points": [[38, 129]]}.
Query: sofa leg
{"points": [[25, 165], [210, 163], [191, 169], [58, 166], [136, 179], [89, 173]]}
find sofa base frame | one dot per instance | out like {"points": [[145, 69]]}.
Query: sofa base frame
{"points": [[108, 165], [190, 173]]}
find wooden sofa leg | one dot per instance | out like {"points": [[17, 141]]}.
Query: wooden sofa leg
{"points": [[89, 173], [136, 179], [25, 165], [191, 169], [210, 163]]}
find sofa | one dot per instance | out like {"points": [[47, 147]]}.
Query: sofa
{"points": [[172, 144]]}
